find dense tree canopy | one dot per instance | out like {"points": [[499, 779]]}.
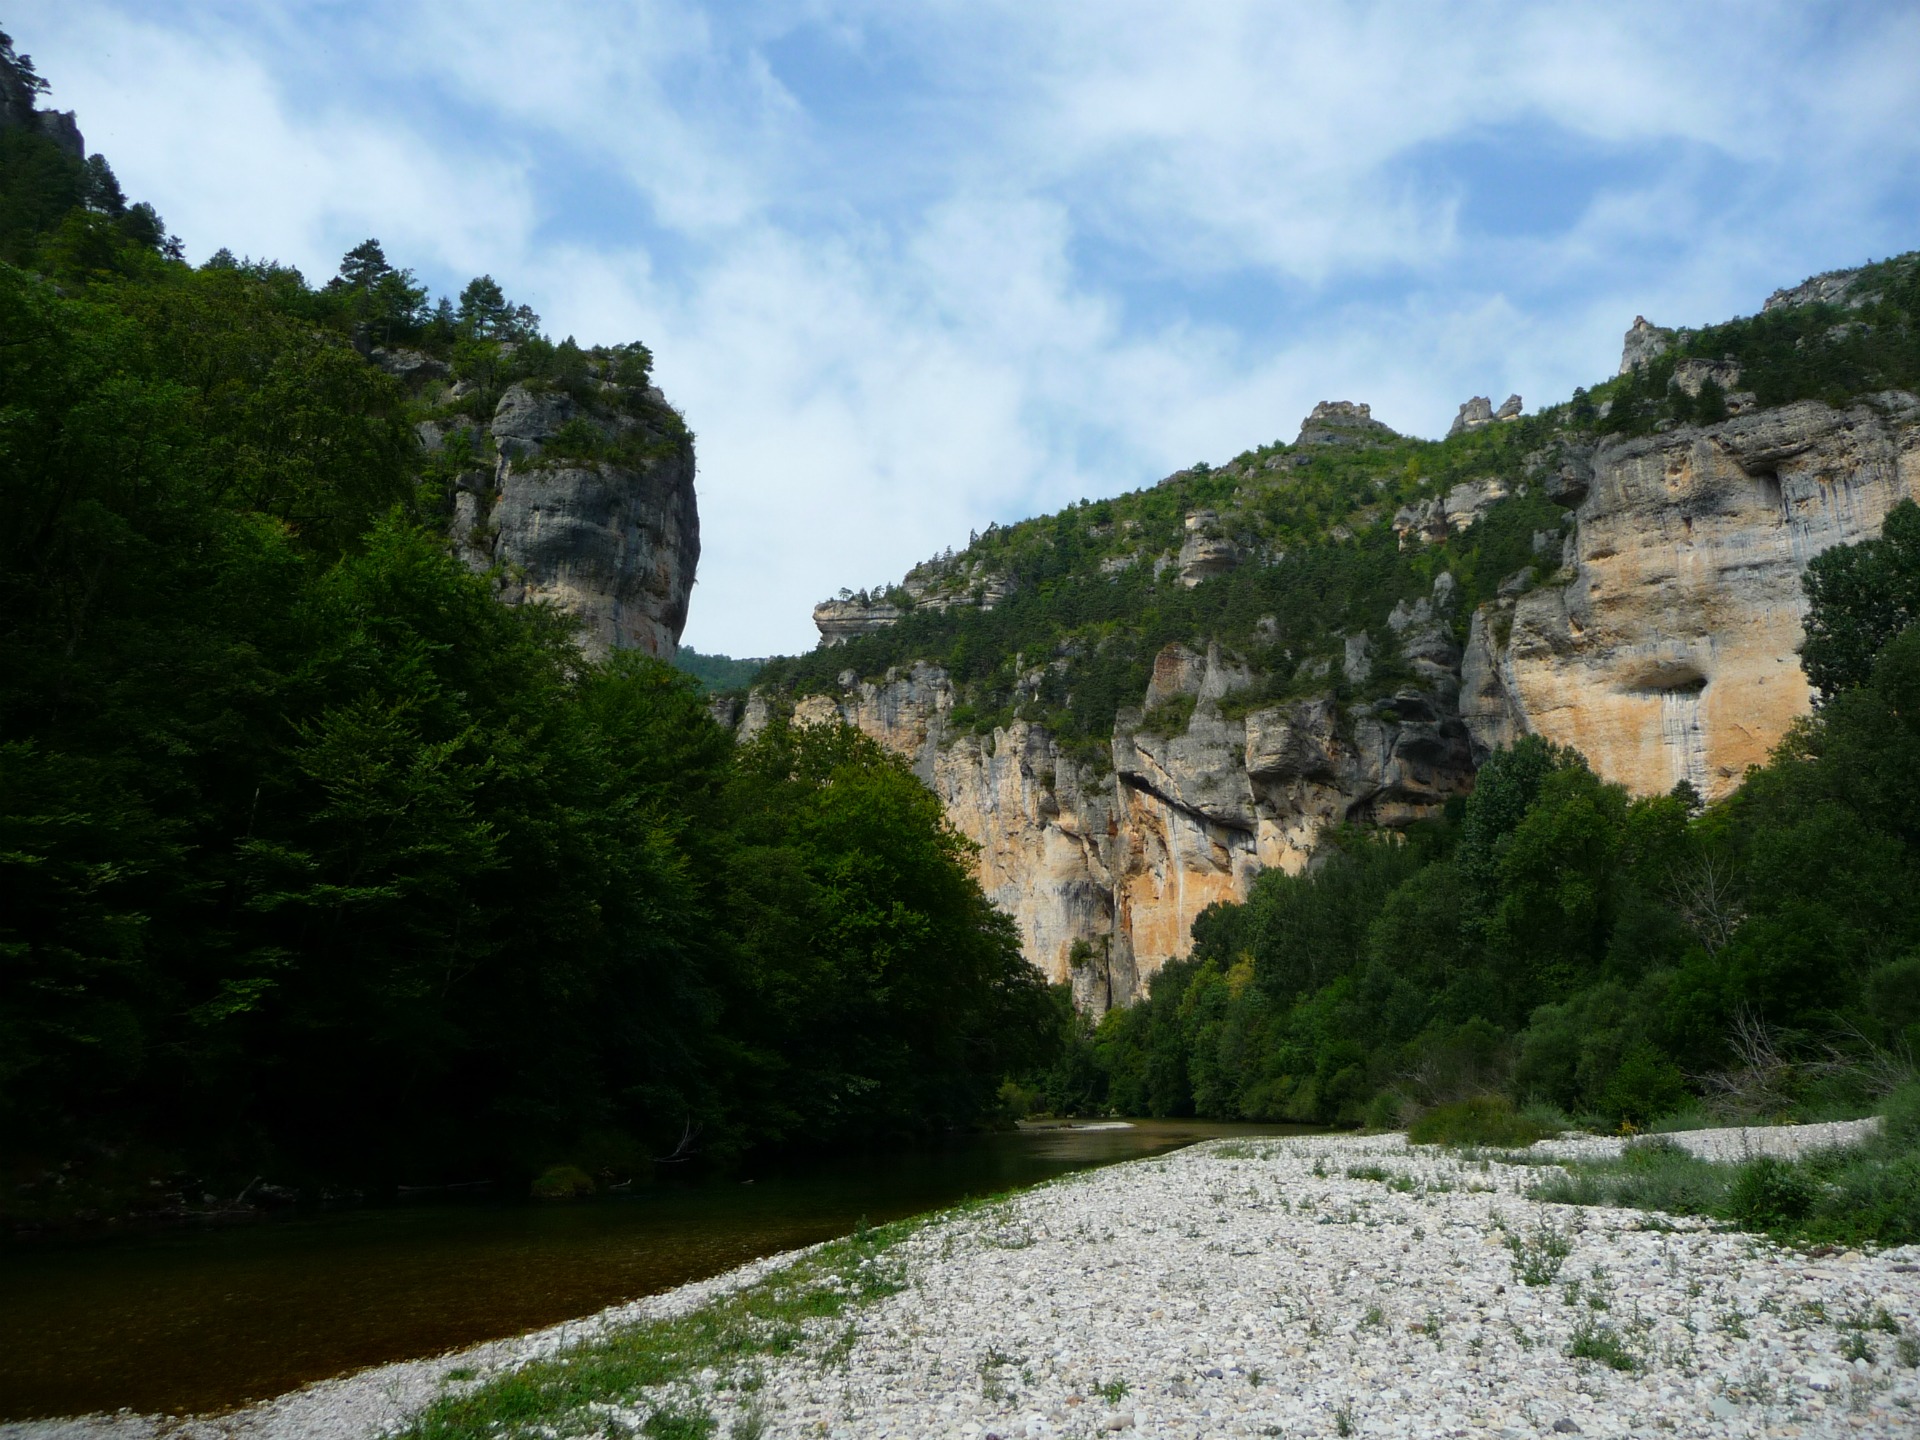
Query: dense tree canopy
{"points": [[315, 857]]}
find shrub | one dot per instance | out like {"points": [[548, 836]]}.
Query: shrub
{"points": [[1645, 1087], [1482, 1120], [562, 1182], [1770, 1194]]}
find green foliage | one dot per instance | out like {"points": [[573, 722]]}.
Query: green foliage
{"points": [[1538, 1257], [313, 857], [1770, 1194], [717, 674], [1481, 1120], [1594, 1340], [776, 1316], [1866, 1194], [1858, 598]]}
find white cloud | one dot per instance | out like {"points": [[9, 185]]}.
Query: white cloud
{"points": [[197, 119], [912, 269]]}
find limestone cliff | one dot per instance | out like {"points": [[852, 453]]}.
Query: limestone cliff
{"points": [[1644, 606], [1104, 862], [1668, 650], [582, 498]]}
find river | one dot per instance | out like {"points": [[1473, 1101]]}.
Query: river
{"points": [[193, 1320]]}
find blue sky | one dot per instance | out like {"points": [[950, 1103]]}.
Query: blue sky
{"points": [[909, 269]]}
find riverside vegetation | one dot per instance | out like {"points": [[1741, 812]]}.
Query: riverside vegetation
{"points": [[316, 861], [1553, 947]]}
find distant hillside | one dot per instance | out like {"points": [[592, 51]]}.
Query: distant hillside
{"points": [[718, 674]]}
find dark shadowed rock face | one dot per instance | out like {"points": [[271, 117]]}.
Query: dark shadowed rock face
{"points": [[17, 110], [612, 541]]}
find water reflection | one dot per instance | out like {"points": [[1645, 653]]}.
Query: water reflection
{"points": [[198, 1320]]}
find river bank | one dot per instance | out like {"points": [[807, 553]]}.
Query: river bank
{"points": [[1320, 1285]]}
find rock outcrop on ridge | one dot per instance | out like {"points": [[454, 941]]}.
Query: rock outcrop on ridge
{"points": [[1657, 632], [1670, 650], [19, 90], [583, 499]]}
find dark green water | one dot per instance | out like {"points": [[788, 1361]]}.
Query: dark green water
{"points": [[198, 1320]]}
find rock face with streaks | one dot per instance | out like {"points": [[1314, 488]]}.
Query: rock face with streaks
{"points": [[1104, 866], [1670, 651], [607, 531]]}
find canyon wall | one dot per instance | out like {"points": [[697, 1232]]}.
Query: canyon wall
{"points": [[1664, 649]]}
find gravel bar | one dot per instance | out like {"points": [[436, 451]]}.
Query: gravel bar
{"points": [[1335, 1285]]}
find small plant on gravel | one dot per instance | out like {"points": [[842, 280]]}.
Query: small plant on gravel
{"points": [[1343, 1420], [1854, 1346], [1593, 1340], [1806, 1314], [750, 1426], [1367, 1172], [1112, 1391], [1907, 1350], [1537, 1258], [1373, 1319], [1732, 1322], [1770, 1193]]}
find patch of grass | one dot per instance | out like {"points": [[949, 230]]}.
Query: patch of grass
{"points": [[1593, 1340], [1112, 1391], [674, 1423], [1864, 1194], [1367, 1172], [1537, 1258], [773, 1317], [1482, 1120]]}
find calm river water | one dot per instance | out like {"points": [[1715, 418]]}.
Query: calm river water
{"points": [[196, 1320]]}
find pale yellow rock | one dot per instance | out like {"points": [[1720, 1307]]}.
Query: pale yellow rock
{"points": [[1671, 651]]}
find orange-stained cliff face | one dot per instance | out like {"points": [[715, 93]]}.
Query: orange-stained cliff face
{"points": [[1670, 652], [1665, 648], [1104, 867]]}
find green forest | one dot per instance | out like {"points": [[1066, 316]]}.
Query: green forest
{"points": [[316, 861], [1604, 959]]}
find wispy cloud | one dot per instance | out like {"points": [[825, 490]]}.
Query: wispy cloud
{"points": [[912, 269]]}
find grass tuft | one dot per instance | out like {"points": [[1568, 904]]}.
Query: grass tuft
{"points": [[776, 1316]]}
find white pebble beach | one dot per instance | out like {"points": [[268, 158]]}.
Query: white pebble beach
{"points": [[1256, 1288]]}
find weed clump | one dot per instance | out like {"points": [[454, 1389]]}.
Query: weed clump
{"points": [[1537, 1258], [1482, 1120]]}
